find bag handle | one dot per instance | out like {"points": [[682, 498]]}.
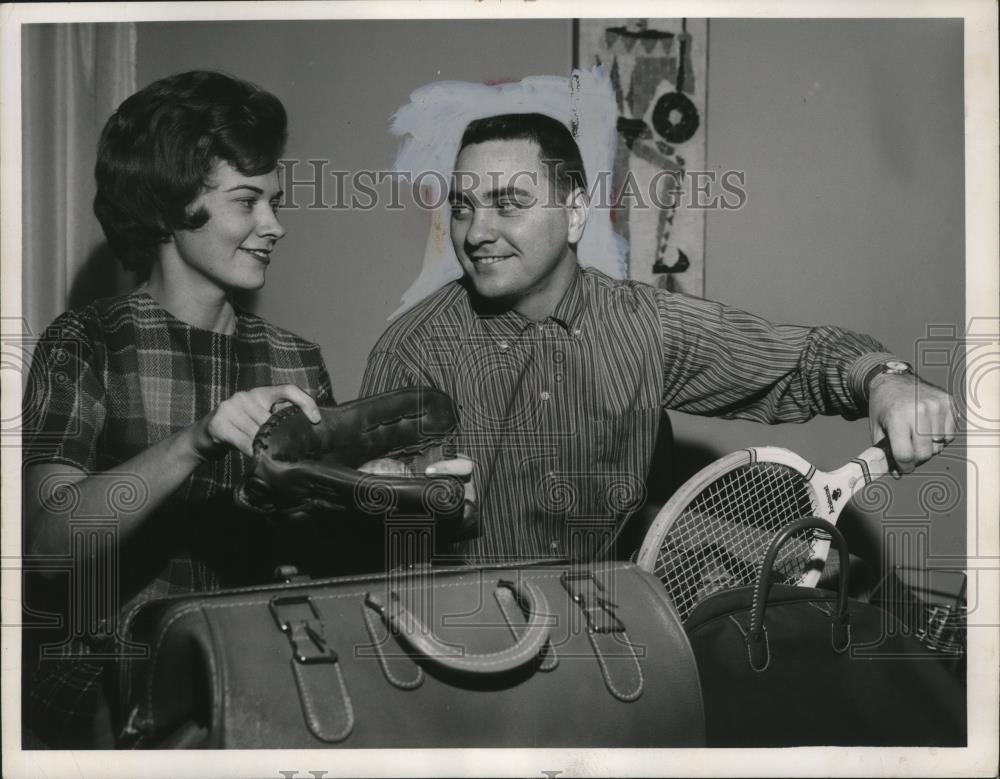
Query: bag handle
{"points": [[756, 637], [454, 658]]}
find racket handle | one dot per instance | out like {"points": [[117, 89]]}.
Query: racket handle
{"points": [[878, 460]]}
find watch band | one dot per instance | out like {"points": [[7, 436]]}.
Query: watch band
{"points": [[892, 367]]}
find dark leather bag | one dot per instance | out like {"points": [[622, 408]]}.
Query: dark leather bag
{"points": [[795, 666], [541, 656]]}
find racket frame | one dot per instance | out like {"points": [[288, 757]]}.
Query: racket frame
{"points": [[829, 492]]}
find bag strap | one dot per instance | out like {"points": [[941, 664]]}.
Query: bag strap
{"points": [[326, 704], [756, 637], [397, 667], [423, 641], [614, 651]]}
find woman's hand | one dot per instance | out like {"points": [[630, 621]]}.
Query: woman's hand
{"points": [[234, 422]]}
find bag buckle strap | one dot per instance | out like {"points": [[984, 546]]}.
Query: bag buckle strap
{"points": [[296, 616], [585, 590]]}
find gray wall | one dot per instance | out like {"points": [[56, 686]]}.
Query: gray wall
{"points": [[850, 134]]}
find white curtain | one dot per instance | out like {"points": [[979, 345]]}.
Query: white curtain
{"points": [[73, 77]]}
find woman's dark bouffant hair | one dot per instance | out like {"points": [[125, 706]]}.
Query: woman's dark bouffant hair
{"points": [[157, 150]]}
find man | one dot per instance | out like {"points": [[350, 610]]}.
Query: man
{"points": [[560, 373]]}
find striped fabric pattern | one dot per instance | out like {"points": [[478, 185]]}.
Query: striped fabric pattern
{"points": [[561, 415], [107, 381]]}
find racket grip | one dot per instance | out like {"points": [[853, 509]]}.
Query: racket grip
{"points": [[890, 462], [875, 462]]}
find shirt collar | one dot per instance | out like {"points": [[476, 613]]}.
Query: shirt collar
{"points": [[569, 310]]}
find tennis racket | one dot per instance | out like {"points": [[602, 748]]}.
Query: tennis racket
{"points": [[713, 533]]}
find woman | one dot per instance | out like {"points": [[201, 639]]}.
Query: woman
{"points": [[143, 407]]}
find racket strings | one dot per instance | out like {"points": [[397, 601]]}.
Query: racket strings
{"points": [[719, 539]]}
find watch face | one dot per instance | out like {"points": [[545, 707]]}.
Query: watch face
{"points": [[897, 366]]}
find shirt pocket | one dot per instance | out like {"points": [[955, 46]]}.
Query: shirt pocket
{"points": [[624, 449], [625, 384]]}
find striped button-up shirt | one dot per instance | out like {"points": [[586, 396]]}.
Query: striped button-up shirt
{"points": [[561, 415]]}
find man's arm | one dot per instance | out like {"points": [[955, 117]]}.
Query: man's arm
{"points": [[720, 361]]}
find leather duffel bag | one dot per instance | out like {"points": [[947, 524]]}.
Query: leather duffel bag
{"points": [[549, 655], [796, 666]]}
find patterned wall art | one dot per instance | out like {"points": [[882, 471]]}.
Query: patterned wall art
{"points": [[658, 69]]}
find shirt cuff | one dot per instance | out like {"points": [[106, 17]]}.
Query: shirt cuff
{"points": [[859, 369]]}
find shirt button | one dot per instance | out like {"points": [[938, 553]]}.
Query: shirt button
{"points": [[545, 395], [504, 346], [554, 545], [577, 331]]}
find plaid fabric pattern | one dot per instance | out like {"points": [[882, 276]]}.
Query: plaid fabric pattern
{"points": [[107, 382], [561, 415]]}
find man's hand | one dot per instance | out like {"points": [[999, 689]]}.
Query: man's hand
{"points": [[235, 422], [460, 466], [917, 417], [386, 466]]}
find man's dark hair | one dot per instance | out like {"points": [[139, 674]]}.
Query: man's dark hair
{"points": [[158, 149], [556, 147]]}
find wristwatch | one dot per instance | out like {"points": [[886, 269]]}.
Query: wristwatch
{"points": [[892, 367]]}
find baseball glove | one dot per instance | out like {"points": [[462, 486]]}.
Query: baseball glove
{"points": [[302, 469]]}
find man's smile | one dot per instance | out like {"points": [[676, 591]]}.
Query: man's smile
{"points": [[490, 259]]}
